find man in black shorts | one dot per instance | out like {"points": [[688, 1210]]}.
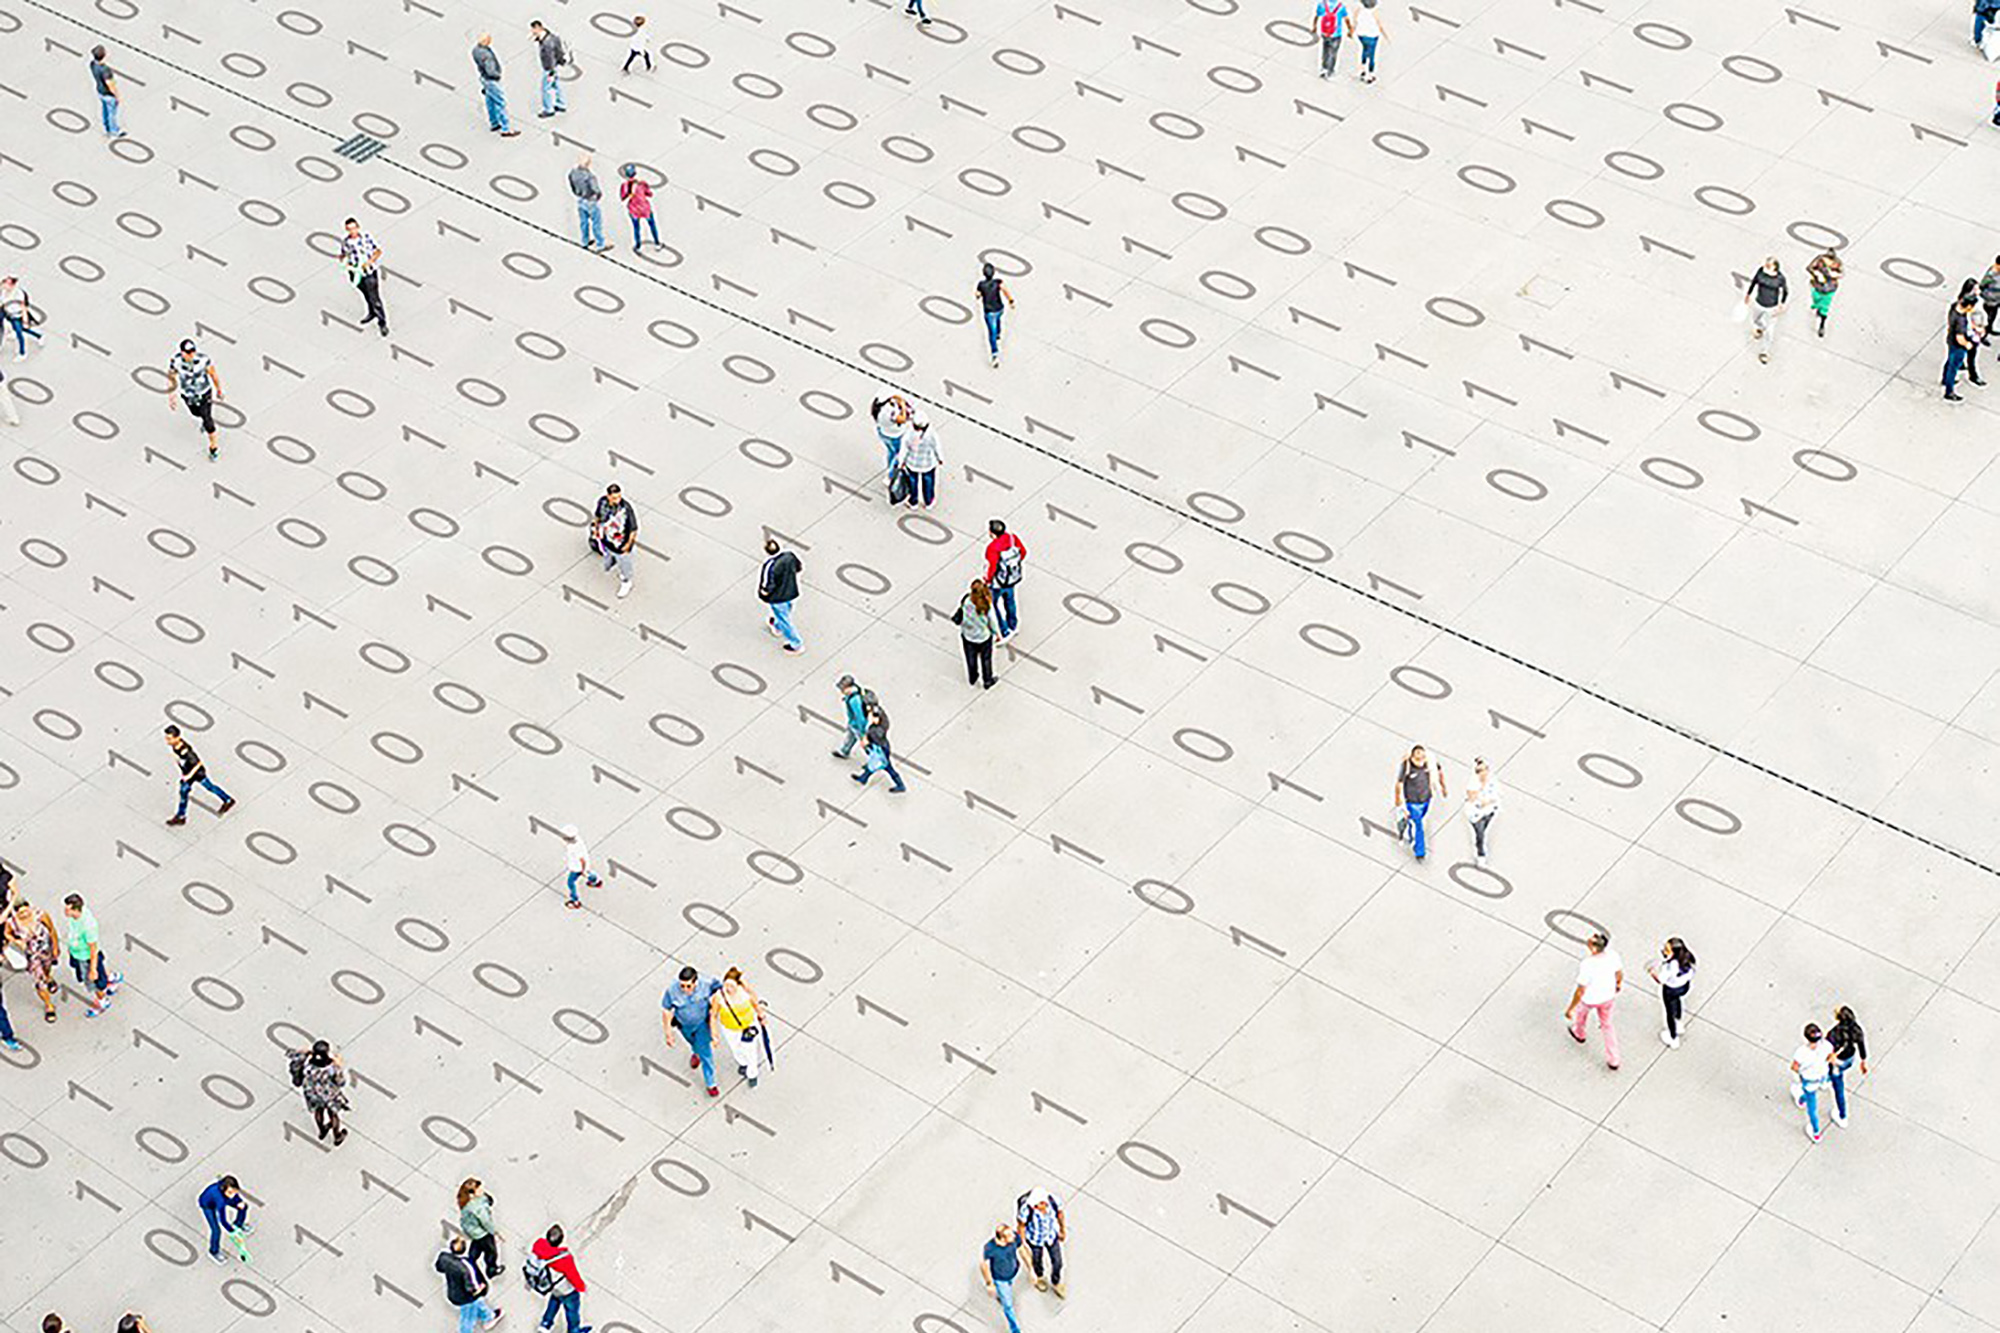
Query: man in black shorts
{"points": [[193, 377]]}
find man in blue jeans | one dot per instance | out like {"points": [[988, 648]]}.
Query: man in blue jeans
{"points": [[107, 91], [685, 1008], [218, 1202], [486, 62], [193, 772], [1413, 793], [999, 1264]]}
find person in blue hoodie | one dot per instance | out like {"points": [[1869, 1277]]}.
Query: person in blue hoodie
{"points": [[217, 1202], [855, 700]]}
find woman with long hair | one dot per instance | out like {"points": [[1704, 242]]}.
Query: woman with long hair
{"points": [[475, 1219], [977, 629], [738, 1020], [32, 935], [1849, 1042], [1674, 971]]}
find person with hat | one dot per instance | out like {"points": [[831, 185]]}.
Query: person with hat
{"points": [[1043, 1230], [194, 376], [638, 197], [614, 531], [578, 864]]}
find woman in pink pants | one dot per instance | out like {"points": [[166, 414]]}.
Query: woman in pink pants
{"points": [[1599, 977]]}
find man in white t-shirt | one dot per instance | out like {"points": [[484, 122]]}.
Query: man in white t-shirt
{"points": [[577, 864], [1809, 1066], [1599, 978]]}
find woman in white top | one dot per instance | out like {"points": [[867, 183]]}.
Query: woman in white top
{"points": [[1599, 978], [1482, 802], [891, 412], [921, 457], [1674, 970], [1809, 1067], [1367, 22]]}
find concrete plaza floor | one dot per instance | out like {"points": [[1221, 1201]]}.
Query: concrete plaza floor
{"points": [[1335, 417]]}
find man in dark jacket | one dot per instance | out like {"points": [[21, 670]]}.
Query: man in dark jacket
{"points": [[1958, 345], [486, 63], [1766, 295], [877, 758], [614, 526], [778, 588], [553, 55], [193, 771], [465, 1288]]}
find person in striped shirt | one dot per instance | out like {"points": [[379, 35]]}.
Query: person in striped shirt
{"points": [[1043, 1230]]}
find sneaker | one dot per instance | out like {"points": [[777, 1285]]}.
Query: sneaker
{"points": [[694, 1062], [996, 358], [898, 791], [211, 453], [176, 821], [1041, 1284], [573, 904], [1976, 380], [247, 1227], [715, 1092], [507, 134], [11, 1044], [860, 778], [1954, 397], [1669, 1040], [543, 115], [1061, 1290], [794, 647], [339, 1137], [1764, 358], [1573, 1034], [838, 754], [771, 624], [1815, 1137], [1840, 1120], [226, 806], [624, 587], [215, 1256]]}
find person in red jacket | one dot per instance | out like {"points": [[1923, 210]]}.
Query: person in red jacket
{"points": [[566, 1294], [1005, 557]]}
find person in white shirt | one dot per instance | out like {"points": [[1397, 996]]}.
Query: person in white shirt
{"points": [[1482, 802], [577, 864], [1674, 971], [892, 413], [1599, 978], [1809, 1067]]}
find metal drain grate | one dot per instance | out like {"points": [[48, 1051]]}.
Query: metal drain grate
{"points": [[361, 147]]}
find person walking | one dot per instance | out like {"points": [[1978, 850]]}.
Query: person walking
{"points": [[1331, 22], [553, 55], [589, 212], [1766, 295], [638, 197], [1957, 345], [465, 1288], [1043, 1231], [1365, 21], [1599, 978], [361, 261], [86, 956], [559, 1281], [321, 1076], [921, 457], [778, 589], [1006, 558], [1482, 803], [1824, 275], [1412, 794], [475, 1223], [1674, 971], [741, 1026], [977, 629], [576, 865], [891, 413], [855, 716], [639, 50], [108, 100], [193, 772], [486, 63], [685, 1009], [1811, 1066], [875, 755], [614, 531], [994, 300], [1976, 328], [225, 1210], [1984, 15], [199, 384], [1849, 1043], [999, 1265], [20, 315], [32, 936]]}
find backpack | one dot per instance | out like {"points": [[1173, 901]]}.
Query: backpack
{"points": [[562, 51], [541, 1279], [1007, 569], [298, 1067], [1329, 22]]}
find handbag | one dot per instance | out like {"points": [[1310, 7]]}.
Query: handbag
{"points": [[749, 1033], [901, 483]]}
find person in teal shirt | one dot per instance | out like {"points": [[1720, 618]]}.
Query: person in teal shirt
{"points": [[86, 956]]}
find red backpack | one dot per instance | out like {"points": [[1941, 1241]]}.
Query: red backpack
{"points": [[1329, 21]]}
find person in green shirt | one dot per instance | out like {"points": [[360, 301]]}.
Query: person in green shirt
{"points": [[86, 956]]}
